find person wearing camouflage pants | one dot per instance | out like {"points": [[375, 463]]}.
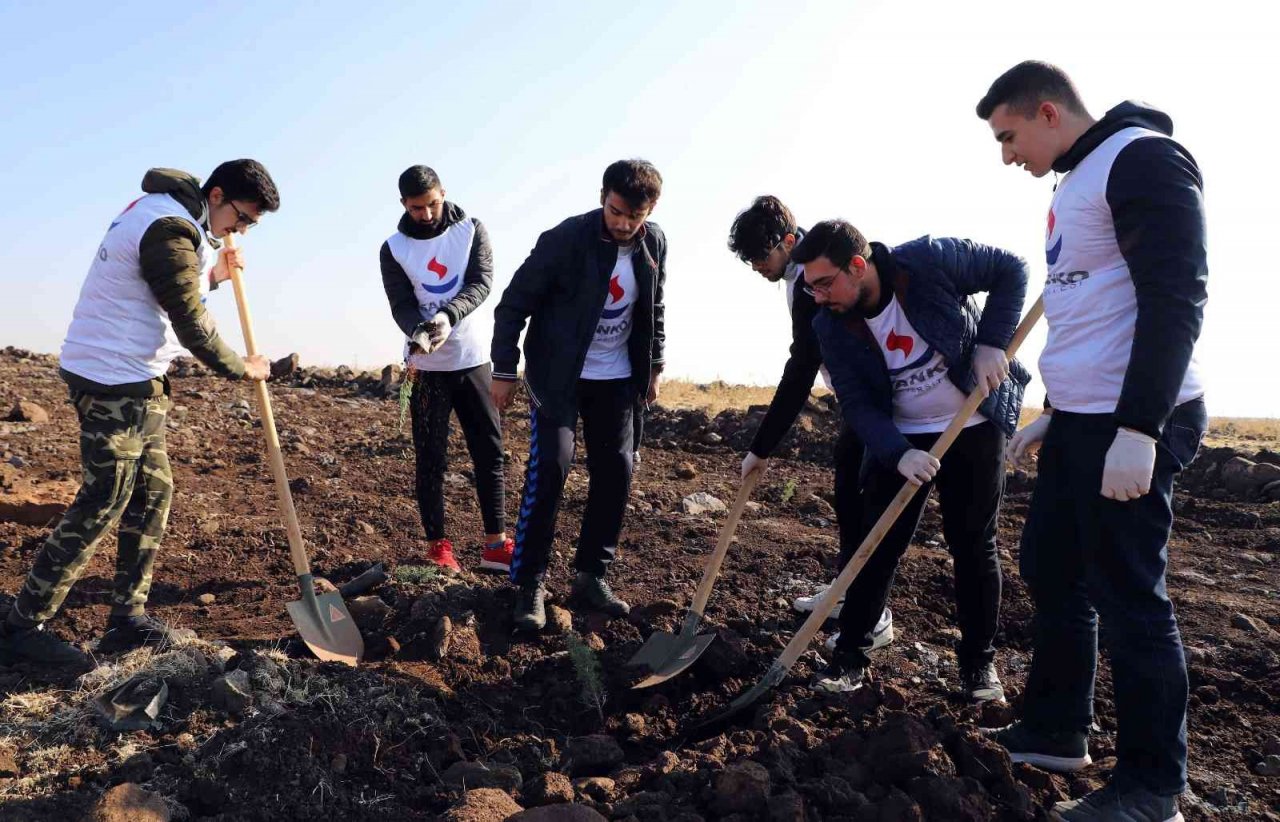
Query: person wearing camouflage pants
{"points": [[141, 304], [126, 478]]}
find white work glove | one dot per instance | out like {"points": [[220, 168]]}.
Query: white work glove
{"points": [[990, 368], [1027, 437], [431, 334], [438, 328], [918, 466], [753, 463], [1131, 460]]}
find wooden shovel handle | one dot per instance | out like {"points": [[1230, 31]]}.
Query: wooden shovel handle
{"points": [[801, 640], [284, 498], [722, 545]]}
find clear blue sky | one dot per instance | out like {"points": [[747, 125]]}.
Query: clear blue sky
{"points": [[858, 110]]}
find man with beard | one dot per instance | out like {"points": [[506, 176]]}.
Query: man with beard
{"points": [[905, 344], [437, 269], [591, 291]]}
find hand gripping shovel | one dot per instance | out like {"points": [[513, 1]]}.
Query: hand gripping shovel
{"points": [[826, 605], [322, 620], [668, 654]]}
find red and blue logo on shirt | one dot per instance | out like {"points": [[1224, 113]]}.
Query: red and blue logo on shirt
{"points": [[440, 270], [117, 220], [616, 295], [1051, 252]]}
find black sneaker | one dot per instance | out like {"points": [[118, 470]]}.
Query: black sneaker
{"points": [[39, 646], [841, 676], [530, 611], [981, 683], [1109, 804], [127, 633], [594, 592], [1064, 752]]}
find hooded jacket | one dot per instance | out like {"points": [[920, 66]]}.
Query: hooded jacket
{"points": [[1153, 191]]}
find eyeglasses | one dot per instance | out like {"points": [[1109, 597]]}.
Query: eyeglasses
{"points": [[242, 218], [759, 262], [824, 288]]}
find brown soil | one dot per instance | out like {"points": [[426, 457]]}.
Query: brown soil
{"points": [[378, 742]]}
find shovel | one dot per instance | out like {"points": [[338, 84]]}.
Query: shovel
{"points": [[827, 604], [322, 620], [667, 654]]}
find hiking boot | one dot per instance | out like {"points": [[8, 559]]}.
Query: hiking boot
{"points": [[881, 636], [806, 604], [38, 645], [531, 610], [1063, 752], [841, 676], [129, 632], [595, 593], [981, 683], [1109, 804], [498, 557], [441, 553]]}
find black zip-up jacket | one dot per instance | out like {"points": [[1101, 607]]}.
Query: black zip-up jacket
{"points": [[803, 364], [1156, 195], [561, 290], [475, 283]]}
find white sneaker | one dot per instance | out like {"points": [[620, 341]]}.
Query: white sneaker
{"points": [[880, 637], [806, 605]]}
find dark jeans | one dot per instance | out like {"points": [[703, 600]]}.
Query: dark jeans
{"points": [[606, 408], [436, 394], [970, 488], [1084, 555]]}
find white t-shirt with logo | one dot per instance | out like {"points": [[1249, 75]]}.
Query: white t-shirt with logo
{"points": [[1089, 298], [608, 358], [924, 399]]}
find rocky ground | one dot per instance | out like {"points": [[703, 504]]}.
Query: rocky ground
{"points": [[453, 718]]}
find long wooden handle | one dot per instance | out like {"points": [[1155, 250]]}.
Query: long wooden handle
{"points": [[284, 497], [869, 544], [722, 547]]}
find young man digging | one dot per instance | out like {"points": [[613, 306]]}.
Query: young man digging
{"points": [[905, 344], [142, 303], [763, 236]]}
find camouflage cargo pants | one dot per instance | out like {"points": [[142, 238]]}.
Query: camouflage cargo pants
{"points": [[126, 478]]}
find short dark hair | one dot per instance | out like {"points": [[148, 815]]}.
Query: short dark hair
{"points": [[1025, 86], [759, 228], [837, 240], [245, 180], [418, 180], [636, 181]]}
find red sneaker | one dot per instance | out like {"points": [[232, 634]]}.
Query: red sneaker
{"points": [[442, 554], [498, 557]]}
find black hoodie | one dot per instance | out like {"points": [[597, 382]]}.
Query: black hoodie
{"points": [[1156, 196]]}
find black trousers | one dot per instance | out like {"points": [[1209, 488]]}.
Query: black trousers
{"points": [[970, 489], [437, 394], [847, 455], [606, 408], [1085, 556]]}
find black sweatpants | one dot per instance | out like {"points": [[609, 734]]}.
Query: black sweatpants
{"points": [[436, 394], [606, 408], [970, 488]]}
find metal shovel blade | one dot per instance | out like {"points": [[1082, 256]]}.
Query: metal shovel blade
{"points": [[325, 624], [668, 654]]}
